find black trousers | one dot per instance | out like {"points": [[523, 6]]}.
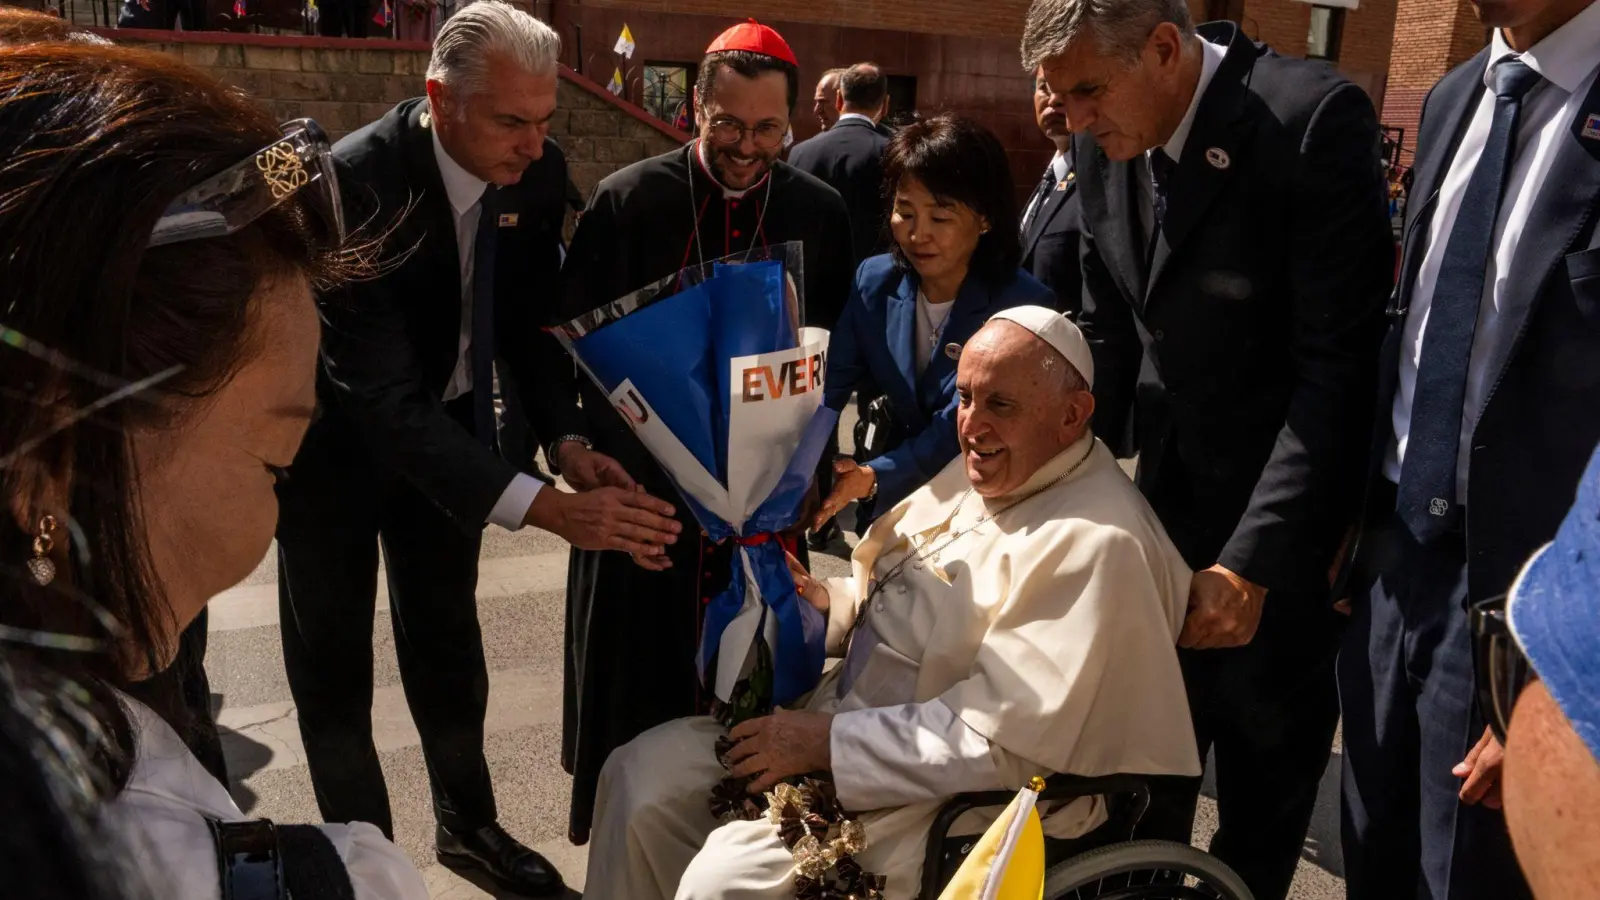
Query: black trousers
{"points": [[333, 520], [1269, 711], [1407, 685]]}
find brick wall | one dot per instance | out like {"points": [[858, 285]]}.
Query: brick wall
{"points": [[987, 18], [1431, 37], [346, 84], [1364, 46]]}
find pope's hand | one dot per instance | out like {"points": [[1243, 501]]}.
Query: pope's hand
{"points": [[1224, 610], [609, 518], [852, 481], [586, 470], [782, 745], [809, 589]]}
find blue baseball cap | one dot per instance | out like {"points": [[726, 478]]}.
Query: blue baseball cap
{"points": [[1554, 611]]}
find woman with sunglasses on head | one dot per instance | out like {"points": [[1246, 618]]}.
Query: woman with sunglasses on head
{"points": [[954, 263], [158, 345]]}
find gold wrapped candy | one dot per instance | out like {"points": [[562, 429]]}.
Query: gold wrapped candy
{"points": [[809, 859], [852, 838]]}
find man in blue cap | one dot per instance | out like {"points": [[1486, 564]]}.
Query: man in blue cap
{"points": [[1539, 654]]}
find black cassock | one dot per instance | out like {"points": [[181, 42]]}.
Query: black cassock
{"points": [[631, 634]]}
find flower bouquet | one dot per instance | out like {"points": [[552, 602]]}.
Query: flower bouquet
{"points": [[714, 373]]}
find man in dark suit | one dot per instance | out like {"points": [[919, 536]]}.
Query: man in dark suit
{"points": [[1236, 257], [1050, 220], [468, 198], [849, 156], [1490, 406]]}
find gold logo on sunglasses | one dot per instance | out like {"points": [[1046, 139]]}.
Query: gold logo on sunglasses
{"points": [[281, 167]]}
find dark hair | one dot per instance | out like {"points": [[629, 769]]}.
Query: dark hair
{"points": [[960, 161], [863, 86], [748, 64], [95, 143]]}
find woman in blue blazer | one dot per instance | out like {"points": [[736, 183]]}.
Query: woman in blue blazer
{"points": [[954, 264]]}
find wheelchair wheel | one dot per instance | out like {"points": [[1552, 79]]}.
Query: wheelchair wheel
{"points": [[1144, 870]]}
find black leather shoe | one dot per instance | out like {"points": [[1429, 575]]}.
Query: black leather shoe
{"points": [[490, 850]]}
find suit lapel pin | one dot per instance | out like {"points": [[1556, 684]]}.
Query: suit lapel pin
{"points": [[425, 120], [1218, 158], [1591, 126], [953, 351], [508, 220]]}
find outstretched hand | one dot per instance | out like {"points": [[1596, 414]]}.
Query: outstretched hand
{"points": [[852, 481], [609, 518], [587, 469]]}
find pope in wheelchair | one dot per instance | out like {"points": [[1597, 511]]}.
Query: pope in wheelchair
{"points": [[1017, 616]]}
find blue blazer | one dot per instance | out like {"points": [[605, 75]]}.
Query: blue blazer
{"points": [[873, 341]]}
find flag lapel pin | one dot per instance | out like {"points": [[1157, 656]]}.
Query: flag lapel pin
{"points": [[508, 220], [1591, 126]]}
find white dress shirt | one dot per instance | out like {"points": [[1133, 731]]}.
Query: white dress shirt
{"points": [[1568, 59], [161, 818], [1211, 57], [1059, 166], [845, 117], [465, 191]]}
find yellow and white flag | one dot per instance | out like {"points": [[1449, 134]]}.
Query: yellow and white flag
{"points": [[625, 43], [615, 86], [1008, 861]]}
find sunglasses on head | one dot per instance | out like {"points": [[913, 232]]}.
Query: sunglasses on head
{"points": [[300, 163], [1501, 667]]}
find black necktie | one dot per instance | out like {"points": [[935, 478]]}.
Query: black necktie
{"points": [[482, 348], [1161, 170], [1426, 500], [1040, 195]]}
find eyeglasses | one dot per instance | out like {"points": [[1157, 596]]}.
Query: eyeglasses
{"points": [[244, 192], [1502, 668], [767, 135]]}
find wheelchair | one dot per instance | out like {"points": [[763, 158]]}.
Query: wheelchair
{"points": [[1105, 864]]}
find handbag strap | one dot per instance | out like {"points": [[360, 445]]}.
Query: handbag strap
{"points": [[258, 860]]}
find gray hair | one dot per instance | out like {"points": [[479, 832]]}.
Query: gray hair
{"points": [[1119, 28], [488, 28]]}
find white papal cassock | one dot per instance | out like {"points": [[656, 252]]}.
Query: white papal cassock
{"points": [[1039, 641]]}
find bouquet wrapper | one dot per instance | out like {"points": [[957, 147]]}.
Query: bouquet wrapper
{"points": [[715, 375]]}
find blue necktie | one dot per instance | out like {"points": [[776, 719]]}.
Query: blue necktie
{"points": [[482, 348], [1426, 500]]}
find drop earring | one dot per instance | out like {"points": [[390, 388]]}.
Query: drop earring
{"points": [[41, 566]]}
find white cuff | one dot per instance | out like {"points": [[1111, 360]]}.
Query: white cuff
{"points": [[899, 755], [512, 507]]}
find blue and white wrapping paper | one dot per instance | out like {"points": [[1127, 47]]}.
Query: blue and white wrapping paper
{"points": [[722, 386]]}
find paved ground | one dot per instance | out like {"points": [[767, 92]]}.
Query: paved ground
{"points": [[520, 602]]}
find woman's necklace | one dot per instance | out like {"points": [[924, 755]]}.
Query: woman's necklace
{"points": [[934, 331]]}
